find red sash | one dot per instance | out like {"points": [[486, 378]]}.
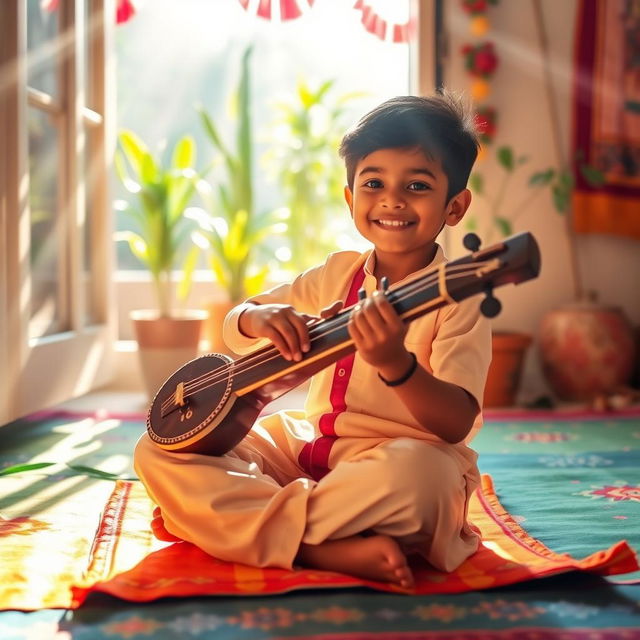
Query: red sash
{"points": [[314, 457]]}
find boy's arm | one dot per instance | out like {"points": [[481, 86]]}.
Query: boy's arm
{"points": [[285, 327], [302, 294], [280, 316], [443, 408], [446, 403]]}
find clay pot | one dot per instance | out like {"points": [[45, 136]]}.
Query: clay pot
{"points": [[165, 343], [216, 310], [586, 350], [503, 381]]}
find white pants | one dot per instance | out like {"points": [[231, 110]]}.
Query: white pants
{"points": [[255, 506]]}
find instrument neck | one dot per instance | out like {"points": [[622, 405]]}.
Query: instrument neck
{"points": [[330, 339]]}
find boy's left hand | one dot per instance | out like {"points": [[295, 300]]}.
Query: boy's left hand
{"points": [[378, 333]]}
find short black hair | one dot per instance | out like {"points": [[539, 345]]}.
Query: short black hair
{"points": [[442, 126]]}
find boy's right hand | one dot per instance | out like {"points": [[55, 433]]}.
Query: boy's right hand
{"points": [[284, 326]]}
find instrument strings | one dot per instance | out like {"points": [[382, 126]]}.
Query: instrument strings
{"points": [[325, 328]]}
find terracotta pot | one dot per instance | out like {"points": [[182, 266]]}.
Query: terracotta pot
{"points": [[505, 371], [165, 343], [586, 350], [217, 310]]}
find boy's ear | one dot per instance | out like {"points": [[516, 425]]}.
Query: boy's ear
{"points": [[348, 196], [457, 207]]}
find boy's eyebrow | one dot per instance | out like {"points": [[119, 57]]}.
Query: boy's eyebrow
{"points": [[419, 170]]}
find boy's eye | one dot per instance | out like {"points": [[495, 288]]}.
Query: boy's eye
{"points": [[418, 186], [374, 183]]}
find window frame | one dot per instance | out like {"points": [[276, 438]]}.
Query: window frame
{"points": [[40, 372]]}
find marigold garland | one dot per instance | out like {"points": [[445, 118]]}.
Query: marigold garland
{"points": [[481, 62]]}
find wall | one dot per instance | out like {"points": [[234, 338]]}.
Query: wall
{"points": [[609, 265]]}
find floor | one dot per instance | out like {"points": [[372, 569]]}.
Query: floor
{"points": [[571, 481]]}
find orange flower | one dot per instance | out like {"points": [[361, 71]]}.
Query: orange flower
{"points": [[480, 89]]}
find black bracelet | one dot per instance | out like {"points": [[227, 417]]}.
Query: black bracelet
{"points": [[412, 367]]}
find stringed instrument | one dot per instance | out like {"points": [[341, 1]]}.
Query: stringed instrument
{"points": [[211, 402]]}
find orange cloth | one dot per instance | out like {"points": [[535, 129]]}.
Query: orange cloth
{"points": [[124, 559]]}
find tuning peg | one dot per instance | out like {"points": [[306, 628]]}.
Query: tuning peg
{"points": [[490, 307], [384, 283], [471, 242], [362, 294]]}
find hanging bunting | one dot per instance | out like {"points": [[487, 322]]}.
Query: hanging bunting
{"points": [[124, 9], [382, 20], [277, 10]]}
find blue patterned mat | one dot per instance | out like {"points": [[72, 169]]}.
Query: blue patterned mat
{"points": [[572, 481]]}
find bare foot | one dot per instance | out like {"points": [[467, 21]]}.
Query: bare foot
{"points": [[376, 557]]}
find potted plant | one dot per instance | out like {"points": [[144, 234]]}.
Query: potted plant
{"points": [[232, 244], [229, 229], [166, 337]]}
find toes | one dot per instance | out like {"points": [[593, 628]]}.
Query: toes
{"points": [[404, 577]]}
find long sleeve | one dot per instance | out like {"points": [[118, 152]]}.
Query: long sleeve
{"points": [[308, 293]]}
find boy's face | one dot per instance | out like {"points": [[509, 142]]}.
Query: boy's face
{"points": [[399, 202]]}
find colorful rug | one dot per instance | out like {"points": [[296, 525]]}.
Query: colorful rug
{"points": [[125, 560], [569, 479]]}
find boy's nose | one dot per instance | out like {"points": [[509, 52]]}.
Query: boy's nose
{"points": [[392, 201]]}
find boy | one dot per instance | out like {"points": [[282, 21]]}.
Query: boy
{"points": [[375, 467]]}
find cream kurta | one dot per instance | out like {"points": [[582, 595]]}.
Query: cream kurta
{"points": [[354, 460]]}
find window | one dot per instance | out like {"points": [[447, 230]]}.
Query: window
{"points": [[54, 310], [197, 46]]}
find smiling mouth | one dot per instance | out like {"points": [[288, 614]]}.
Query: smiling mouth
{"points": [[393, 224]]}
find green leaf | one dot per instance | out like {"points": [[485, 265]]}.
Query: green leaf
{"points": [[78, 468], [255, 282], [188, 267], [210, 129], [503, 225], [19, 468], [323, 89], [593, 176], [120, 166], [137, 245], [307, 98], [235, 246], [560, 199], [565, 179], [542, 178], [184, 153], [476, 183], [139, 157], [505, 157], [134, 150], [96, 473]]}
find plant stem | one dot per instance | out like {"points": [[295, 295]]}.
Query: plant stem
{"points": [[497, 204], [163, 283]]}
